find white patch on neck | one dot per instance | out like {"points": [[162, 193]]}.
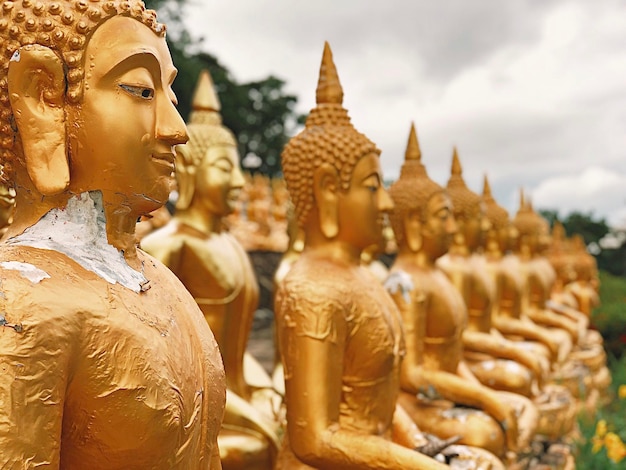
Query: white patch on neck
{"points": [[400, 281], [28, 271], [79, 232]]}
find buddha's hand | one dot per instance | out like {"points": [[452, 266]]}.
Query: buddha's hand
{"points": [[509, 426]]}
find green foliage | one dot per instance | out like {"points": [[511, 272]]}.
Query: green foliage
{"points": [[260, 114], [610, 317], [591, 229], [615, 416]]}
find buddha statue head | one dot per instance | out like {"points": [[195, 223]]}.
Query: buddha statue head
{"points": [[422, 217], [207, 167], [332, 172], [534, 230], [501, 232], [469, 210], [86, 105]]}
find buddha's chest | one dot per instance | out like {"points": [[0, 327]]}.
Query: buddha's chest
{"points": [[446, 313], [148, 376], [217, 269], [374, 326]]}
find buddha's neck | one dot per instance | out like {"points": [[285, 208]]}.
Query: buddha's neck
{"points": [[200, 219], [332, 249], [459, 249], [493, 252], [120, 221], [417, 258]]}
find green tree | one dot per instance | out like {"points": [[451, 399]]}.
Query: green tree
{"points": [[261, 114], [592, 230]]}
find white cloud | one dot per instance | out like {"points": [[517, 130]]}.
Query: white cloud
{"points": [[527, 90], [593, 188]]}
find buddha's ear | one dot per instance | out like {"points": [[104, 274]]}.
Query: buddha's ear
{"points": [[413, 231], [325, 191], [36, 83], [185, 177]]}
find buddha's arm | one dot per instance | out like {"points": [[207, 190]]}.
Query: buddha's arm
{"points": [[548, 318], [527, 330], [464, 392], [216, 462], [502, 348], [574, 315], [242, 414], [313, 382], [404, 430], [35, 362]]}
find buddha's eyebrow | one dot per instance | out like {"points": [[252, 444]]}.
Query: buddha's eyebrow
{"points": [[132, 61]]}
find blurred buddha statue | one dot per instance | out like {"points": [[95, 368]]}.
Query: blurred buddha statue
{"points": [[582, 286], [556, 406], [150, 222], [504, 266], [583, 373], [439, 391], [107, 362], [7, 206], [217, 271], [497, 362], [340, 334], [560, 257]]}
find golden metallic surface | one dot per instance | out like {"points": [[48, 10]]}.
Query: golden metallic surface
{"points": [[107, 363], [217, 272], [497, 362], [435, 380], [340, 334], [557, 408]]}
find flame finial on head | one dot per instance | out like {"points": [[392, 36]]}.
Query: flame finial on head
{"points": [[456, 163], [522, 200], [413, 151], [204, 97], [205, 105], [329, 90], [486, 188]]}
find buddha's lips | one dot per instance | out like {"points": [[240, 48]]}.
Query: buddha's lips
{"points": [[165, 159]]}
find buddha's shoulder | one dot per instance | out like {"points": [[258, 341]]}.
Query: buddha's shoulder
{"points": [[319, 280]]}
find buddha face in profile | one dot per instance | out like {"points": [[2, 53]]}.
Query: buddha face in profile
{"points": [[438, 225], [362, 207], [475, 226], [114, 128], [128, 120], [219, 180]]}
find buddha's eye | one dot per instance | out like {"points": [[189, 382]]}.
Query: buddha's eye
{"points": [[143, 92]]}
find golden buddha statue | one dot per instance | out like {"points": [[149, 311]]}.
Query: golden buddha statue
{"points": [[561, 260], [440, 392], [582, 286], [7, 206], [340, 334], [217, 272], [497, 362], [556, 406], [107, 361]]}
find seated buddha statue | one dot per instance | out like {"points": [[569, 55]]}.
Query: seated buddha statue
{"points": [[568, 324], [7, 206], [556, 406], [582, 286], [505, 268], [559, 256], [497, 362], [107, 362], [439, 391], [340, 334], [217, 271]]}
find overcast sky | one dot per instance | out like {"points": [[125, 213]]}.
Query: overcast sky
{"points": [[532, 92]]}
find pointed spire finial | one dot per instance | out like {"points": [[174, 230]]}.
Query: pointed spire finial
{"points": [[204, 96], [522, 199], [413, 151], [486, 187], [456, 163], [329, 89]]}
